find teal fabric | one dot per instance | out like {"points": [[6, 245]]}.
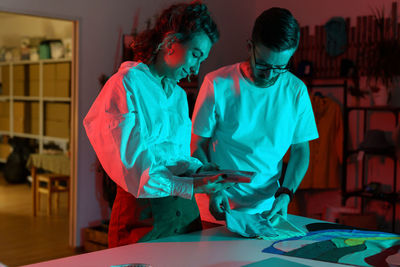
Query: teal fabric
{"points": [[254, 225]]}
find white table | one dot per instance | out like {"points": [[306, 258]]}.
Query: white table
{"points": [[214, 247]]}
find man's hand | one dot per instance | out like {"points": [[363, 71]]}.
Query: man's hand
{"points": [[280, 206], [219, 203]]}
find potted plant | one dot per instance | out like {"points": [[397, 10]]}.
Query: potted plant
{"points": [[382, 61]]}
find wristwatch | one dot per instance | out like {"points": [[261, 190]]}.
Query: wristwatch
{"points": [[284, 190]]}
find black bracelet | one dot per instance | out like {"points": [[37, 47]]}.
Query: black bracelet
{"points": [[284, 190]]}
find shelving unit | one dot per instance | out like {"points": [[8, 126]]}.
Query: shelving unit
{"points": [[390, 197], [35, 100]]}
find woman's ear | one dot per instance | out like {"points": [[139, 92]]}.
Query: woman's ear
{"points": [[169, 39]]}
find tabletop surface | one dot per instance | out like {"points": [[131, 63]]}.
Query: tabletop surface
{"points": [[212, 247]]}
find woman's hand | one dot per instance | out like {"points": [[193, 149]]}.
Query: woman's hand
{"points": [[209, 166]]}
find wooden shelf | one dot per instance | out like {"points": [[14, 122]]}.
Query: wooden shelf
{"points": [[388, 197], [390, 153], [34, 93], [375, 108], [26, 98], [387, 153], [25, 62], [57, 99]]}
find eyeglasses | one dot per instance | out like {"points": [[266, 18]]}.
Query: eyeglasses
{"points": [[268, 67]]}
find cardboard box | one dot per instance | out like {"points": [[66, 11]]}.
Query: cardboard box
{"points": [[57, 112], [62, 88], [21, 117], [19, 73], [49, 88], [34, 72], [21, 125], [4, 123], [20, 109], [33, 88], [34, 126], [5, 89], [95, 238], [32, 117], [4, 109], [20, 88], [57, 128], [5, 80], [49, 71], [63, 71], [34, 110]]}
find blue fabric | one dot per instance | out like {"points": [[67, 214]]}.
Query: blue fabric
{"points": [[375, 243]]}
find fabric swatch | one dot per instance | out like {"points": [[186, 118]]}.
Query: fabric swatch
{"points": [[254, 225]]}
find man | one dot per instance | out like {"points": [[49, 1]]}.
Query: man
{"points": [[247, 115]]}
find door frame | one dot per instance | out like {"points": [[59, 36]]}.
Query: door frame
{"points": [[73, 112]]}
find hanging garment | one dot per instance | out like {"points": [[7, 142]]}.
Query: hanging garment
{"points": [[326, 151]]}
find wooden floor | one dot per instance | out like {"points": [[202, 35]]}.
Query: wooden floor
{"points": [[25, 239]]}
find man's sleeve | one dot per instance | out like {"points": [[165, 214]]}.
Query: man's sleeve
{"points": [[306, 128], [204, 115]]}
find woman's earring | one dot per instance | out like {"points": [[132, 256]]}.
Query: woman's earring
{"points": [[249, 44], [170, 51]]}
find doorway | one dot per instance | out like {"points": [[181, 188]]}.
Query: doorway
{"points": [[38, 66]]}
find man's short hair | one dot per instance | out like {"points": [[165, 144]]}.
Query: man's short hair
{"points": [[277, 29]]}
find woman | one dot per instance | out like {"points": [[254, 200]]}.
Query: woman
{"points": [[140, 129]]}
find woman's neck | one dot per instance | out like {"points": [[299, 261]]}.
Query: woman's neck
{"points": [[155, 71]]}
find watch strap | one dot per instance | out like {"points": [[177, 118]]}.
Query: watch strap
{"points": [[284, 190]]}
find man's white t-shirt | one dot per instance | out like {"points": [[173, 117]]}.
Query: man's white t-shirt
{"points": [[251, 128]]}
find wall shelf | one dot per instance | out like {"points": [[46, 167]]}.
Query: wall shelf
{"points": [[391, 197], [35, 100]]}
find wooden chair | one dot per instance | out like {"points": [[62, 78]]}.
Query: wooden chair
{"points": [[49, 184]]}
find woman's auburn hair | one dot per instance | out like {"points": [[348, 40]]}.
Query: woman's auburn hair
{"points": [[179, 22]]}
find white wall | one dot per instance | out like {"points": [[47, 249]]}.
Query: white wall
{"points": [[99, 23], [235, 19], [30, 26]]}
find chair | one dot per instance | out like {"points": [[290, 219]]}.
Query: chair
{"points": [[49, 184]]}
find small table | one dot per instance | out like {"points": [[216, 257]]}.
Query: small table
{"points": [[55, 163]]}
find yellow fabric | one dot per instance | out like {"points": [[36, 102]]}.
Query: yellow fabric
{"points": [[361, 240], [326, 151]]}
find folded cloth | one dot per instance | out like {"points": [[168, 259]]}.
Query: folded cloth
{"points": [[249, 225], [254, 225]]}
